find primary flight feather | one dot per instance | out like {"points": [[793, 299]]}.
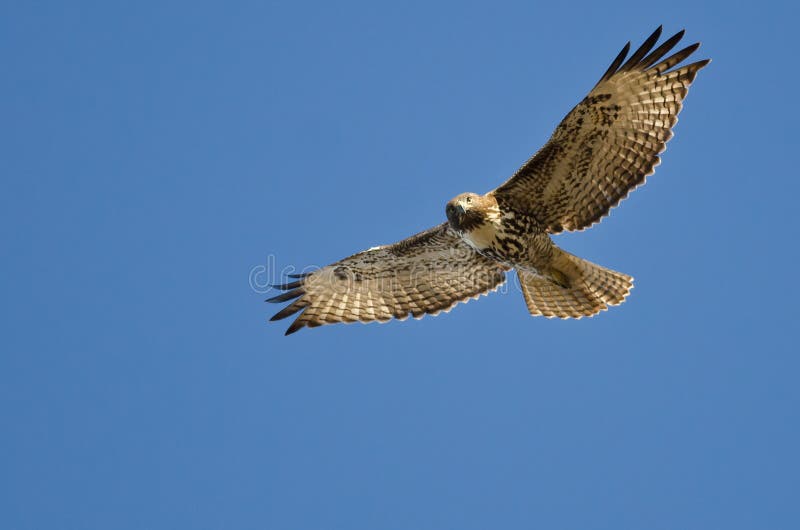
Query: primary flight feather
{"points": [[604, 148]]}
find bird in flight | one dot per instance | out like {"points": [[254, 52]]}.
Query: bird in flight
{"points": [[604, 148]]}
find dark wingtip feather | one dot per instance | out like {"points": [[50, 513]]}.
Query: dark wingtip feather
{"points": [[287, 286], [646, 46], [283, 297], [662, 50], [701, 64], [297, 325], [299, 275], [676, 58], [639, 61], [693, 68], [612, 69], [287, 311]]}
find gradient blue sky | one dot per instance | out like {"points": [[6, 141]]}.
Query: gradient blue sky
{"points": [[155, 153]]}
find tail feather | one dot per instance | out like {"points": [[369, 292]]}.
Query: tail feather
{"points": [[574, 288]]}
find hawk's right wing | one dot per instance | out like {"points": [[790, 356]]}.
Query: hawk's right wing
{"points": [[424, 274], [608, 143]]}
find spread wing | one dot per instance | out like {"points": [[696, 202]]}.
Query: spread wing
{"points": [[424, 274], [607, 144]]}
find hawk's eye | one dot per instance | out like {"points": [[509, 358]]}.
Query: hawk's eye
{"points": [[469, 200]]}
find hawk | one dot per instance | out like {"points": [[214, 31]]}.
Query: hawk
{"points": [[603, 149]]}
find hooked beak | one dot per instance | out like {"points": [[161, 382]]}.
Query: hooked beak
{"points": [[455, 213]]}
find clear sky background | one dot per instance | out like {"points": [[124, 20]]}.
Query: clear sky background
{"points": [[155, 153]]}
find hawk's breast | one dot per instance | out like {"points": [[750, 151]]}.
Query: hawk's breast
{"points": [[481, 237], [502, 237]]}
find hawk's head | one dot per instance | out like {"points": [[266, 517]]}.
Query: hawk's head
{"points": [[467, 211]]}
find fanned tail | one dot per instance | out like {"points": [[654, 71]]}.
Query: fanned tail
{"points": [[574, 288]]}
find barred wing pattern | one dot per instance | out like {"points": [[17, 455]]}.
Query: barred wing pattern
{"points": [[424, 274], [609, 143]]}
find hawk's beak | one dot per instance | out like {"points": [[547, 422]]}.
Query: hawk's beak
{"points": [[460, 209]]}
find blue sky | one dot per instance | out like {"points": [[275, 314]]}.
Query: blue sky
{"points": [[155, 154]]}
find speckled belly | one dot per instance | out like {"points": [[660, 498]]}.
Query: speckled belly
{"points": [[511, 241]]}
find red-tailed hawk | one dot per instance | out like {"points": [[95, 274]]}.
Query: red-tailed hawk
{"points": [[602, 149]]}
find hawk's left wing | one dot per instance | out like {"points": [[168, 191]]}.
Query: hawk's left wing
{"points": [[608, 143], [424, 274]]}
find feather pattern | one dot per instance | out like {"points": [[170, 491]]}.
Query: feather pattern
{"points": [[424, 274], [608, 144], [604, 148]]}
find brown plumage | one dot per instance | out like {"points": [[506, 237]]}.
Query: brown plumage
{"points": [[604, 148]]}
